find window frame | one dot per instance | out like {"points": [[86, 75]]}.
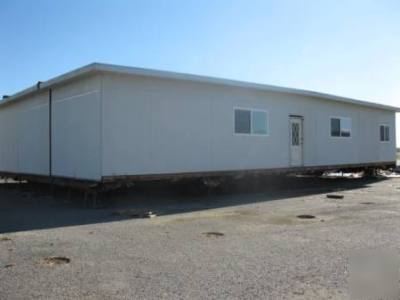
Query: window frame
{"points": [[340, 136], [388, 137], [251, 121]]}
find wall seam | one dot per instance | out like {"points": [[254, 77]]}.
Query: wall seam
{"points": [[50, 132], [101, 129]]}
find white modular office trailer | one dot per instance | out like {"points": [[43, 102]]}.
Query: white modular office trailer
{"points": [[104, 123]]}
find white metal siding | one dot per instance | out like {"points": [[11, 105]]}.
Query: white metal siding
{"points": [[76, 132], [113, 124], [24, 132], [153, 125]]}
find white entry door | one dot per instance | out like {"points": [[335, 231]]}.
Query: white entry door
{"points": [[296, 141]]}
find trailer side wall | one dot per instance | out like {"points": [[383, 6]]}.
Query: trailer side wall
{"points": [[76, 129], [24, 131], [160, 126]]}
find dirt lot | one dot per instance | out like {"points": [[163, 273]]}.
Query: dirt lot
{"points": [[229, 246]]}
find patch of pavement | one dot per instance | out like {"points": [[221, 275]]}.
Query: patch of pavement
{"points": [[265, 251]]}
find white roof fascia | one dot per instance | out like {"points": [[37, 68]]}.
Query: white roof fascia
{"points": [[100, 67]]}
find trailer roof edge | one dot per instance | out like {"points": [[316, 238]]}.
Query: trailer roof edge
{"points": [[110, 68]]}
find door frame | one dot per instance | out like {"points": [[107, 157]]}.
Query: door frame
{"points": [[301, 118]]}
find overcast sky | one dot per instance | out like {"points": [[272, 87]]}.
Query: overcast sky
{"points": [[348, 48]]}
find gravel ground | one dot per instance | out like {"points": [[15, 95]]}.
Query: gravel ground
{"points": [[239, 246]]}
